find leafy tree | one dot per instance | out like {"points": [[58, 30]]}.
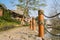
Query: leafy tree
{"points": [[27, 5]]}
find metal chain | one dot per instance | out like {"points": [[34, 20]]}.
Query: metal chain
{"points": [[52, 16]]}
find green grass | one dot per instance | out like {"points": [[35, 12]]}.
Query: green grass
{"points": [[5, 25], [6, 22], [26, 24]]}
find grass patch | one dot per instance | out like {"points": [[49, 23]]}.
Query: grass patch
{"points": [[26, 24], [5, 25]]}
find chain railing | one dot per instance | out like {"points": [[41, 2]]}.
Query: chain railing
{"points": [[41, 25], [51, 16], [52, 33], [55, 36]]}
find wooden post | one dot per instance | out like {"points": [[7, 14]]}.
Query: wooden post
{"points": [[1, 12], [33, 23], [41, 24]]}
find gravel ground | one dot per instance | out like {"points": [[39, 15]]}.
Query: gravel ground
{"points": [[22, 33]]}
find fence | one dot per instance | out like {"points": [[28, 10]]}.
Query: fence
{"points": [[50, 31]]}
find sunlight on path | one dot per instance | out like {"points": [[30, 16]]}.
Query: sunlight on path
{"points": [[22, 33]]}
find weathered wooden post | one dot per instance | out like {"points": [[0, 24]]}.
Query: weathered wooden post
{"points": [[41, 24], [33, 23]]}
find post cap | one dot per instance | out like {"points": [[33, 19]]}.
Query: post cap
{"points": [[40, 12]]}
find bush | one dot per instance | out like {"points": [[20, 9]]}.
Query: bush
{"points": [[4, 25], [6, 22]]}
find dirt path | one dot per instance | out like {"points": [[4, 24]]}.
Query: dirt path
{"points": [[22, 33]]}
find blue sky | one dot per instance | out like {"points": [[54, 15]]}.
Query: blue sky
{"points": [[9, 4], [46, 9]]}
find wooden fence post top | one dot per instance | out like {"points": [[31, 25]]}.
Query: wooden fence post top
{"points": [[40, 12], [33, 18]]}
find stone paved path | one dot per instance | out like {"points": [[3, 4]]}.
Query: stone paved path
{"points": [[22, 33]]}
